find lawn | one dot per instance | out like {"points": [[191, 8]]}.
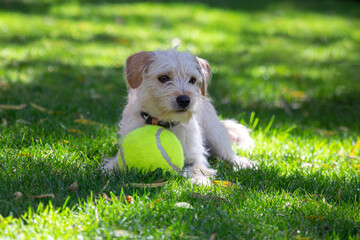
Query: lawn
{"points": [[289, 70]]}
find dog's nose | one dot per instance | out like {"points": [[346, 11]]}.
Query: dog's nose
{"points": [[183, 101]]}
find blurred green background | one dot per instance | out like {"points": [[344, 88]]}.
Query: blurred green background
{"points": [[297, 60]]}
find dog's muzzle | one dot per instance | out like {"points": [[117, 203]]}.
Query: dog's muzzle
{"points": [[183, 101]]}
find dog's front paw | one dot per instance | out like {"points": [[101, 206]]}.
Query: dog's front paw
{"points": [[200, 175], [201, 180], [243, 163], [110, 164]]}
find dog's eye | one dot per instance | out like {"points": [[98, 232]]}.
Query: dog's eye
{"points": [[192, 80], [164, 79]]}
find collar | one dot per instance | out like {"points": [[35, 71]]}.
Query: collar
{"points": [[154, 121]]}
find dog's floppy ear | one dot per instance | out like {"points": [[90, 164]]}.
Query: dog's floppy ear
{"points": [[136, 64], [205, 71]]}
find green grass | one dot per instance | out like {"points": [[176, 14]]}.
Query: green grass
{"points": [[288, 70]]}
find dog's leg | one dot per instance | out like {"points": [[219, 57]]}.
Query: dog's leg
{"points": [[110, 164], [217, 137], [196, 164]]}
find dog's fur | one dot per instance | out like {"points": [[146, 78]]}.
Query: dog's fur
{"points": [[199, 130]]}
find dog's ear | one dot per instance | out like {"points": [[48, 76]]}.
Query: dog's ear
{"points": [[136, 64], [205, 71]]}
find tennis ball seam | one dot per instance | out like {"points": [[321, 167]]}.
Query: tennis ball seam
{"points": [[123, 157], [163, 152]]}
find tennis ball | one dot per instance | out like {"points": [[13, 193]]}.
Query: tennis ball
{"points": [[151, 147]]}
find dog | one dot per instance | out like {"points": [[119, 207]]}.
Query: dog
{"points": [[169, 88]]}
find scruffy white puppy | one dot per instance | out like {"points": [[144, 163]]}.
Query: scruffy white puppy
{"points": [[168, 88]]}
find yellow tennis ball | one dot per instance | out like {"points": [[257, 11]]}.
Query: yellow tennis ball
{"points": [[151, 147]]}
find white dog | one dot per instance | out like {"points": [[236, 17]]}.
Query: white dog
{"points": [[168, 88]]}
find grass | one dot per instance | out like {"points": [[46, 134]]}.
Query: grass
{"points": [[288, 70]]}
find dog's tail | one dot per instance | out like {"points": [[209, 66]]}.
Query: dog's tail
{"points": [[238, 134]]}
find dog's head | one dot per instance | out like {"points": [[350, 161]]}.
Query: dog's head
{"points": [[168, 84]]}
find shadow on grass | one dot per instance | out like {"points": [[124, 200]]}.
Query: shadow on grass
{"points": [[320, 114], [332, 189], [99, 94], [319, 101], [36, 177], [66, 89], [312, 190]]}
